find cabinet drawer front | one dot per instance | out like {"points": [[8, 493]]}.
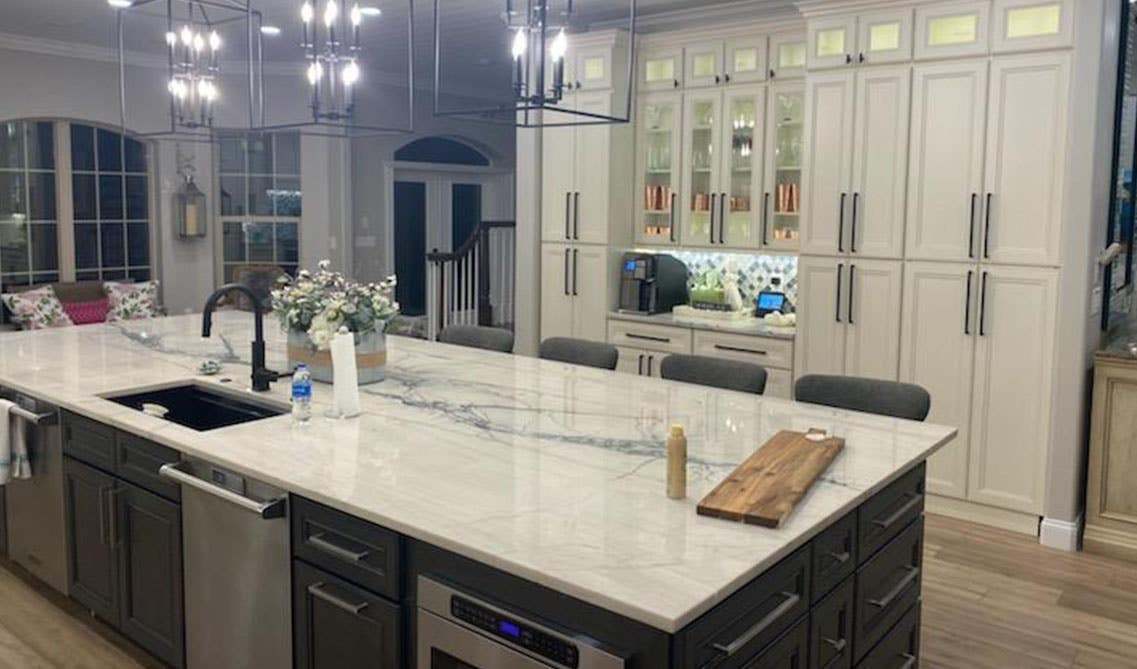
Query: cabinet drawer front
{"points": [[889, 512], [900, 648], [365, 554], [138, 460], [746, 623], [788, 652], [660, 338], [831, 630], [763, 351], [834, 555], [341, 626], [88, 441], [887, 586]]}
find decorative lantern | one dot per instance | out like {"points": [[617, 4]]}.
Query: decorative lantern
{"points": [[189, 203]]}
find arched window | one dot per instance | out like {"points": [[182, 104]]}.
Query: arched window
{"points": [[441, 150]]}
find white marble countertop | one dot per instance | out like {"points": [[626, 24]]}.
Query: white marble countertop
{"points": [[550, 472], [754, 327]]}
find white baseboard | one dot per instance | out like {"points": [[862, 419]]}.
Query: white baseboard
{"points": [[1060, 534], [1014, 521]]}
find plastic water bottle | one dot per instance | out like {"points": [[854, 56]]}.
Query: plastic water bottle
{"points": [[301, 394]]}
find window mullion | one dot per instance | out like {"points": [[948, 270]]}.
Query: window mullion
{"points": [[64, 202]]}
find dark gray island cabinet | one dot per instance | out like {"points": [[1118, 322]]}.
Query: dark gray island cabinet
{"points": [[849, 596]]}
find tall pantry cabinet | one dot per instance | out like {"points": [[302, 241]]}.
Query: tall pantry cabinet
{"points": [[970, 218], [586, 172]]}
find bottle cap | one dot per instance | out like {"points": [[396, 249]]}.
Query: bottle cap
{"points": [[676, 430]]}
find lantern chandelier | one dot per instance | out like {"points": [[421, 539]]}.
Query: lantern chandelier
{"points": [[333, 59], [193, 83], [540, 36]]}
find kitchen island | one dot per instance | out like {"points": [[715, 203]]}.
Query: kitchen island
{"points": [[540, 486]]}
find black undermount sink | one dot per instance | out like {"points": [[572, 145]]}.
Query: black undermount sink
{"points": [[199, 408]]}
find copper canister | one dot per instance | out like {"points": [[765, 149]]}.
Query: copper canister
{"points": [[794, 196]]}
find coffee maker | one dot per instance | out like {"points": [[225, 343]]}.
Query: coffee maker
{"points": [[651, 283]]}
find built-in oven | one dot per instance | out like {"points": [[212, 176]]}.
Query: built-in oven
{"points": [[458, 631]]}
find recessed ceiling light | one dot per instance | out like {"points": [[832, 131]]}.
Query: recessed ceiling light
{"points": [[370, 11], [120, 4], [271, 31]]}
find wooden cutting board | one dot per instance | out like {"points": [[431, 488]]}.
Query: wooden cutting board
{"points": [[766, 487]]}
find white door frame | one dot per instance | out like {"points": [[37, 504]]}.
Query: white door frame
{"points": [[497, 199]]}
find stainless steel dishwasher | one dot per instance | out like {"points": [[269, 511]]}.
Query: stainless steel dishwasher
{"points": [[238, 579], [37, 525]]}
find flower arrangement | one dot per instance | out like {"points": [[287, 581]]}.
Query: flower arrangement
{"points": [[319, 304]]}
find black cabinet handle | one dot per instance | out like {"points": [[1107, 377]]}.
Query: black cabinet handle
{"points": [[113, 514], [671, 229], [841, 225], [714, 202], [576, 215], [650, 360], [861, 58], [839, 558], [568, 213], [914, 501], [765, 216], [773, 73], [910, 575], [967, 305], [838, 645], [909, 661], [326, 545], [987, 229], [971, 227], [567, 251], [853, 229], [675, 83], [840, 269], [718, 79], [640, 367], [575, 256], [737, 349], [983, 307], [726, 78], [789, 601], [722, 218], [848, 59], [852, 291], [317, 590], [104, 538], [662, 340]]}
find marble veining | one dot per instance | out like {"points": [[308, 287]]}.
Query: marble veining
{"points": [[551, 472]]}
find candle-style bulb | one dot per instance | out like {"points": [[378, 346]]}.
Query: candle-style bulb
{"points": [[171, 38], [315, 73], [331, 12], [559, 47], [214, 41], [306, 12], [198, 42], [356, 15], [187, 35], [520, 44], [350, 73]]}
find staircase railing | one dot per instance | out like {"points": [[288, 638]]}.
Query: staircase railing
{"points": [[474, 284]]}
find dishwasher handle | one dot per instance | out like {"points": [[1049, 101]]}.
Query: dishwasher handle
{"points": [[274, 508], [36, 419]]}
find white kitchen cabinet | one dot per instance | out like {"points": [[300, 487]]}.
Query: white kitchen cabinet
{"points": [[832, 42], [745, 60], [828, 141], [639, 361], [702, 114], [938, 353], [946, 154], [704, 65], [1026, 158], [659, 144], [884, 37], [820, 346], [880, 161], [1031, 25], [592, 69], [660, 69], [872, 318], [787, 56], [952, 30], [577, 290], [781, 196], [558, 175], [1014, 370]]}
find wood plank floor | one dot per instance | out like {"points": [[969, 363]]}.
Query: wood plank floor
{"points": [[992, 600]]}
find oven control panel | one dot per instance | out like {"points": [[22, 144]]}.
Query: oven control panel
{"points": [[537, 641]]}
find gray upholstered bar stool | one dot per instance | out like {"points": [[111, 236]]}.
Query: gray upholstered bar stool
{"points": [[580, 352], [885, 398], [478, 336], [715, 372]]}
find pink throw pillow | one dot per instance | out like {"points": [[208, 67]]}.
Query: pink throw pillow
{"points": [[91, 311]]}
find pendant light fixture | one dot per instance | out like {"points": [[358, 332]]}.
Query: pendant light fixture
{"points": [[194, 73], [331, 49], [540, 35]]}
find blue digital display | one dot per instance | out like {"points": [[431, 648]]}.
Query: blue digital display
{"points": [[506, 627], [771, 301], [629, 265]]}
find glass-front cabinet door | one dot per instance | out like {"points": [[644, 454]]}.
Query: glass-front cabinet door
{"points": [[743, 131], [657, 167], [700, 201], [787, 56], [885, 37], [746, 60], [831, 42], [952, 30], [660, 69], [781, 204], [1025, 25]]}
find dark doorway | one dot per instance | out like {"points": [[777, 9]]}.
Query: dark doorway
{"points": [[466, 211], [410, 246]]}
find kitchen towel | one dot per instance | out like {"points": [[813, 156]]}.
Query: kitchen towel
{"points": [[345, 375], [13, 446]]}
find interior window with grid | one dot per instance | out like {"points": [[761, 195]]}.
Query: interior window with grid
{"points": [[260, 203], [110, 195], [29, 225]]}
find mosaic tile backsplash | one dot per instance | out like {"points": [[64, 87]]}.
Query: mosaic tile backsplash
{"points": [[754, 271]]}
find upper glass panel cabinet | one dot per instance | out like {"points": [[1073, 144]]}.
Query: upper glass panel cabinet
{"points": [[884, 37], [832, 42], [952, 29], [1032, 24], [787, 56], [746, 60], [661, 69]]}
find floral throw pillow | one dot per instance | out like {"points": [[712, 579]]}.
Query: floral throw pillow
{"points": [[131, 301], [36, 309]]}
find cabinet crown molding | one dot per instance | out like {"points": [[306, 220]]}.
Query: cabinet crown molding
{"points": [[811, 9]]}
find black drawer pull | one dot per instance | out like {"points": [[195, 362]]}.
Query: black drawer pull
{"points": [[915, 501], [838, 645], [909, 661], [663, 340], [839, 558], [737, 349], [895, 592], [324, 545], [317, 591], [791, 600]]}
